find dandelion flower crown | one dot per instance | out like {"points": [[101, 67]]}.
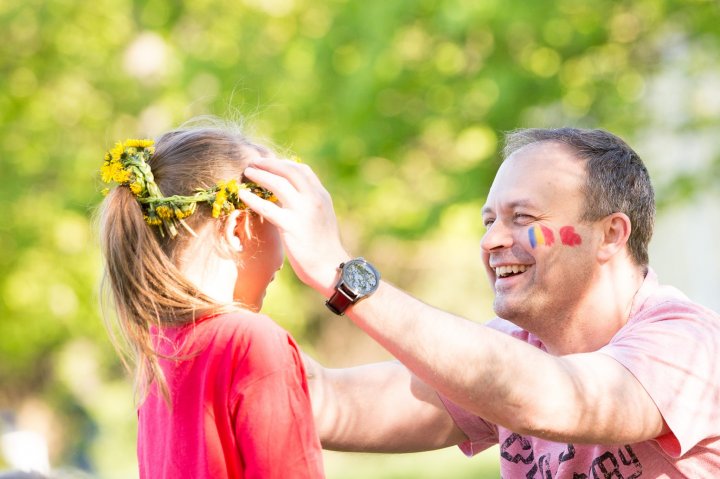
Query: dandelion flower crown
{"points": [[127, 165]]}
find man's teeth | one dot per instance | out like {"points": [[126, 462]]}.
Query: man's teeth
{"points": [[502, 271]]}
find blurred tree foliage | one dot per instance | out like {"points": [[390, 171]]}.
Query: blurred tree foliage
{"points": [[399, 105]]}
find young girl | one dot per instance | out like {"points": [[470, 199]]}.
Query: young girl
{"points": [[222, 388]]}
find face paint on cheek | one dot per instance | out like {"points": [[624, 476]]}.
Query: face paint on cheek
{"points": [[534, 237], [549, 236], [569, 237], [539, 235]]}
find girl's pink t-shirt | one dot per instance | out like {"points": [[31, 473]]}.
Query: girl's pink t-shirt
{"points": [[672, 346], [240, 406]]}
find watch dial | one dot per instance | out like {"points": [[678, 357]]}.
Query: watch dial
{"points": [[359, 278]]}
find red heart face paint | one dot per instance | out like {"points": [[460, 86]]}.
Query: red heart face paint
{"points": [[569, 237], [540, 235]]}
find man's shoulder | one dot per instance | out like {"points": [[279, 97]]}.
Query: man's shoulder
{"points": [[667, 316], [656, 300], [668, 300]]}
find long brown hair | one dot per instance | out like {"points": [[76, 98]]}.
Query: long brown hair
{"points": [[141, 278]]}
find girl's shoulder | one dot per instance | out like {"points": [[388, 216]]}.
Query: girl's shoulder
{"points": [[241, 321], [255, 345], [249, 333]]}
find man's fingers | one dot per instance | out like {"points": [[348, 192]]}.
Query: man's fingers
{"points": [[300, 175], [267, 209], [280, 186]]}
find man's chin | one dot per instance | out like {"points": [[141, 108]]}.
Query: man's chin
{"points": [[510, 311]]}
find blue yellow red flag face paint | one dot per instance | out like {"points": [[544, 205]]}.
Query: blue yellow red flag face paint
{"points": [[540, 235]]}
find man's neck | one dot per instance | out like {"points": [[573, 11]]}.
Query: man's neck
{"points": [[593, 321]]}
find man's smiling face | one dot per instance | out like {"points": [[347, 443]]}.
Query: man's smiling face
{"points": [[538, 255]]}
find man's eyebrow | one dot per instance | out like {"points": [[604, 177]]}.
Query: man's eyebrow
{"points": [[524, 203]]}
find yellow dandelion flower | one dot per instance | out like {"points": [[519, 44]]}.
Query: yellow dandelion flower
{"points": [[114, 169], [164, 212], [216, 210], [117, 151], [232, 187], [262, 192], [120, 175], [219, 206], [152, 220], [184, 211], [132, 143], [106, 173]]}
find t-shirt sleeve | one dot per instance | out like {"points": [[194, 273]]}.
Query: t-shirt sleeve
{"points": [[673, 351], [481, 434], [273, 415]]}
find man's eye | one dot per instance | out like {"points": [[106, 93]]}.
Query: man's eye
{"points": [[523, 218], [488, 222]]}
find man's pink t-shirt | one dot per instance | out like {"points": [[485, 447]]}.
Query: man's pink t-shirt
{"points": [[672, 346], [239, 404]]}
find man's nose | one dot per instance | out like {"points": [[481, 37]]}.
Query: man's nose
{"points": [[497, 236]]}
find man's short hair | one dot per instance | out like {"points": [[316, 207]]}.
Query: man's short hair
{"points": [[617, 180]]}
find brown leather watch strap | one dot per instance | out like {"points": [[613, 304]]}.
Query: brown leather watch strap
{"points": [[339, 301]]}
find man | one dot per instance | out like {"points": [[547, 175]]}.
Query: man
{"points": [[594, 370]]}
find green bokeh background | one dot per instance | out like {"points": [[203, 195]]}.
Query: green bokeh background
{"points": [[398, 105]]}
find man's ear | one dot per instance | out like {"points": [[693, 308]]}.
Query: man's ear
{"points": [[233, 229], [616, 232]]}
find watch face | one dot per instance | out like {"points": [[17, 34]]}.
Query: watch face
{"points": [[360, 277]]}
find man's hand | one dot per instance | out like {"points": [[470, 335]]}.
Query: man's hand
{"points": [[305, 218]]}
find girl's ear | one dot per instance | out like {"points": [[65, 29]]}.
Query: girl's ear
{"points": [[233, 229]]}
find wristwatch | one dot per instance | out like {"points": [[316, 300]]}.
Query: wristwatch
{"points": [[358, 279]]}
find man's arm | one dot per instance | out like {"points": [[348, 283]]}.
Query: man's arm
{"points": [[580, 398], [583, 398], [378, 407]]}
